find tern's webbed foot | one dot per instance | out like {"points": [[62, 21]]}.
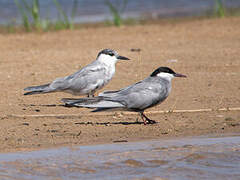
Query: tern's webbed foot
{"points": [[149, 121], [90, 95], [146, 120]]}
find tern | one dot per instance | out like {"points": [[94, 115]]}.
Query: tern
{"points": [[87, 80], [138, 97]]}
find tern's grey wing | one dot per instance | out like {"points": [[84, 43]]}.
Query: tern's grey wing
{"points": [[84, 81], [120, 92], [142, 95]]}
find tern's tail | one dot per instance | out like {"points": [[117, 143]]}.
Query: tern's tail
{"points": [[37, 89], [101, 103]]}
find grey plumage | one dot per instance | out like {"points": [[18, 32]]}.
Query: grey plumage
{"points": [[85, 81], [137, 97], [36, 89]]}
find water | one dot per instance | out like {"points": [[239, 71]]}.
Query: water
{"points": [[179, 158], [96, 10]]}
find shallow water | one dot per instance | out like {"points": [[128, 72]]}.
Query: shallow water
{"points": [[179, 158], [96, 10]]}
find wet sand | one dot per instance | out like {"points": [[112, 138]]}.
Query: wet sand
{"points": [[179, 158], [207, 51]]}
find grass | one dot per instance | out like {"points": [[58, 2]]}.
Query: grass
{"points": [[219, 9], [64, 22], [31, 19], [222, 11], [116, 12], [25, 19]]}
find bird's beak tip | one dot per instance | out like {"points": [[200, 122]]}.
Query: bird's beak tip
{"points": [[180, 75], [123, 58]]}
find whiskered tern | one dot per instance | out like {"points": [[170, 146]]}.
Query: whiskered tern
{"points": [[85, 81], [145, 94]]}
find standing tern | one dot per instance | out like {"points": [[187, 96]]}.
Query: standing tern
{"points": [[85, 81], [140, 96]]}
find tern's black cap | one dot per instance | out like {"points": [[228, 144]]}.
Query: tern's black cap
{"points": [[108, 52], [162, 69], [111, 52]]}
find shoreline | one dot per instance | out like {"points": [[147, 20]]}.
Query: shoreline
{"points": [[206, 50], [134, 141], [115, 122], [19, 29]]}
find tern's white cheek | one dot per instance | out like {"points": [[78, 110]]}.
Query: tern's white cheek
{"points": [[165, 76], [107, 59]]}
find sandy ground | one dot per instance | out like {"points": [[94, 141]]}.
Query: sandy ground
{"points": [[207, 51]]}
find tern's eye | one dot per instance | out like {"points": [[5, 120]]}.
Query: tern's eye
{"points": [[111, 54]]}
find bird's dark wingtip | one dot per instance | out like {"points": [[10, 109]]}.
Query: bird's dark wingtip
{"points": [[33, 92], [28, 93]]}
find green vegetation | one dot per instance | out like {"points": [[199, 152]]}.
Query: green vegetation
{"points": [[64, 22], [117, 19], [31, 20], [219, 9]]}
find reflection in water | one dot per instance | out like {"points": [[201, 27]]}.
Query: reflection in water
{"points": [[185, 158]]}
